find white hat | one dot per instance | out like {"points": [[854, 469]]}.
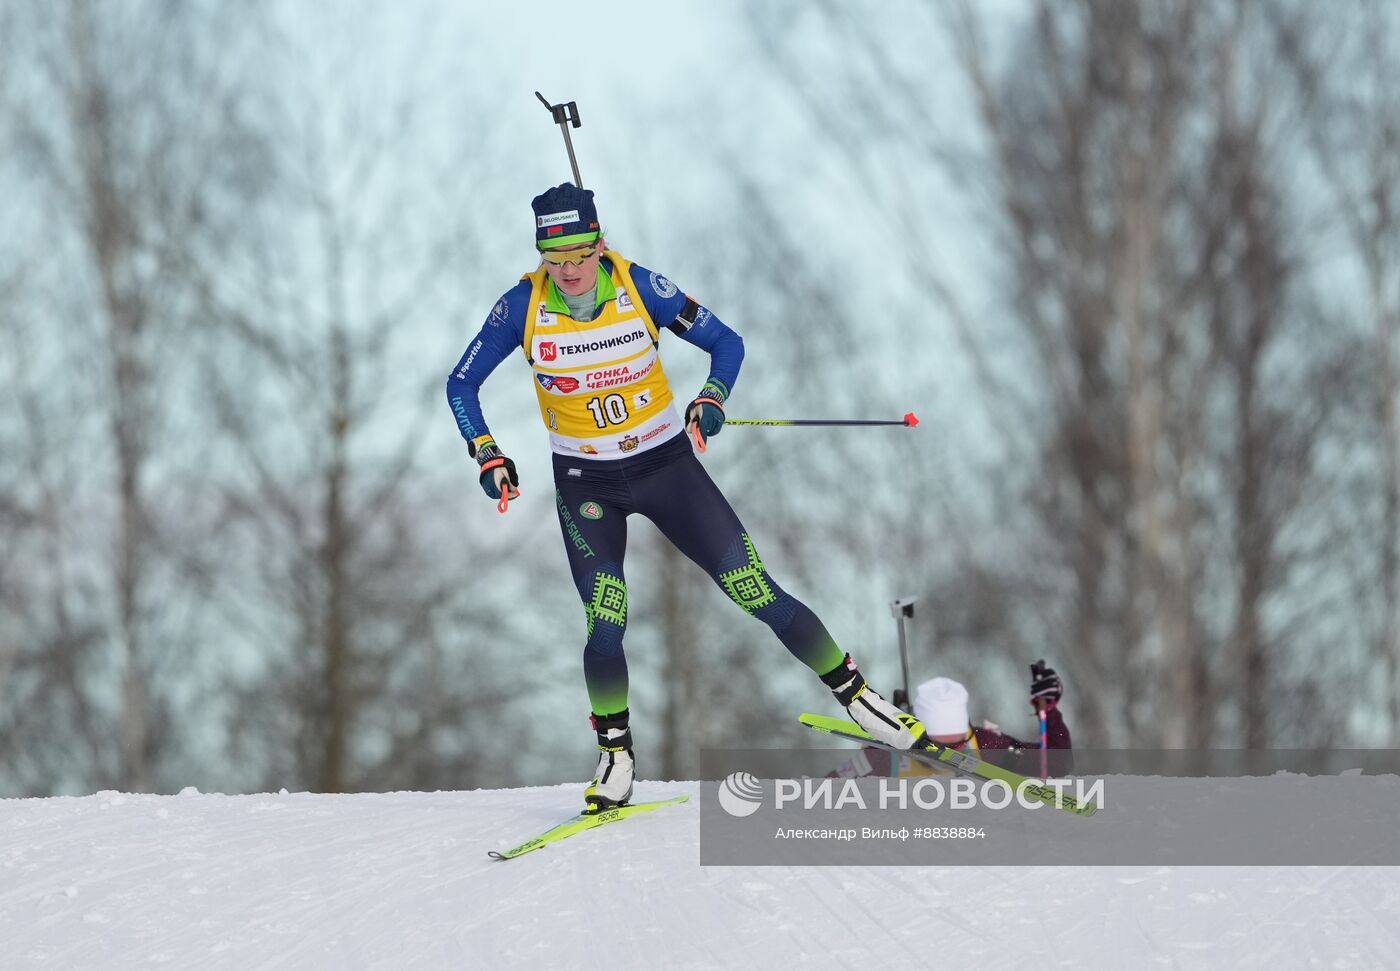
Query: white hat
{"points": [[941, 704]]}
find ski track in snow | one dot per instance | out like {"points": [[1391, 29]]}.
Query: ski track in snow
{"points": [[402, 881]]}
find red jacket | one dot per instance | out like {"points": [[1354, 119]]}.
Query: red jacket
{"points": [[1056, 735]]}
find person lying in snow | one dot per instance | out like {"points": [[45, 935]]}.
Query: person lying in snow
{"points": [[940, 704]]}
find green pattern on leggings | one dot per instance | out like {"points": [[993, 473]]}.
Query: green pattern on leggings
{"points": [[747, 585], [609, 602]]}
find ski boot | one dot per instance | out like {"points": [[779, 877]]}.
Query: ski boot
{"points": [[612, 780], [871, 712]]}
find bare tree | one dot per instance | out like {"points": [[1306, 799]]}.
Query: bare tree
{"points": [[1345, 69], [52, 722], [123, 129], [1123, 170], [353, 604]]}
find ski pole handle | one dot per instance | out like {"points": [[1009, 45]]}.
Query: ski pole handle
{"points": [[564, 115], [1037, 671], [506, 497]]}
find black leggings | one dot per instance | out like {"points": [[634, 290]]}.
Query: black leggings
{"points": [[669, 486]]}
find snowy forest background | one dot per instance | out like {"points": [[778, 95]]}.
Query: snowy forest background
{"points": [[1134, 263]]}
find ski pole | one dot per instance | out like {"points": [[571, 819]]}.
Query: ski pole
{"points": [[901, 609], [565, 115], [1044, 746], [1036, 669], [908, 421], [508, 493]]}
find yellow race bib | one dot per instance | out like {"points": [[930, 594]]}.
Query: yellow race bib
{"points": [[602, 391]]}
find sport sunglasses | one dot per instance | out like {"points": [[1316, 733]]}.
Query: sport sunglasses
{"points": [[574, 256]]}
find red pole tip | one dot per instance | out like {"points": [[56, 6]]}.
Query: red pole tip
{"points": [[910, 420]]}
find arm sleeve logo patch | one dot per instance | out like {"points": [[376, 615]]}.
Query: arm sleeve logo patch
{"points": [[663, 286]]}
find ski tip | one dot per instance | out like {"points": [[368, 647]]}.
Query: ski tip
{"points": [[910, 420]]}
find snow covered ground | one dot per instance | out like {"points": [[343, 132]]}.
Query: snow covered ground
{"points": [[402, 881]]}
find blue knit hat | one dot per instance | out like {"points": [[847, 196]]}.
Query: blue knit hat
{"points": [[564, 216]]}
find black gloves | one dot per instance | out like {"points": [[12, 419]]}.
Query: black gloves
{"points": [[497, 471]]}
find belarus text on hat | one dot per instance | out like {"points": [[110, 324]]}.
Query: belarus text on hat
{"points": [[564, 216]]}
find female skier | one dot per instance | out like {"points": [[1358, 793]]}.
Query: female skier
{"points": [[589, 322]]}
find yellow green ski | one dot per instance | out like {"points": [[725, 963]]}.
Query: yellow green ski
{"points": [[581, 822], [941, 755]]}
